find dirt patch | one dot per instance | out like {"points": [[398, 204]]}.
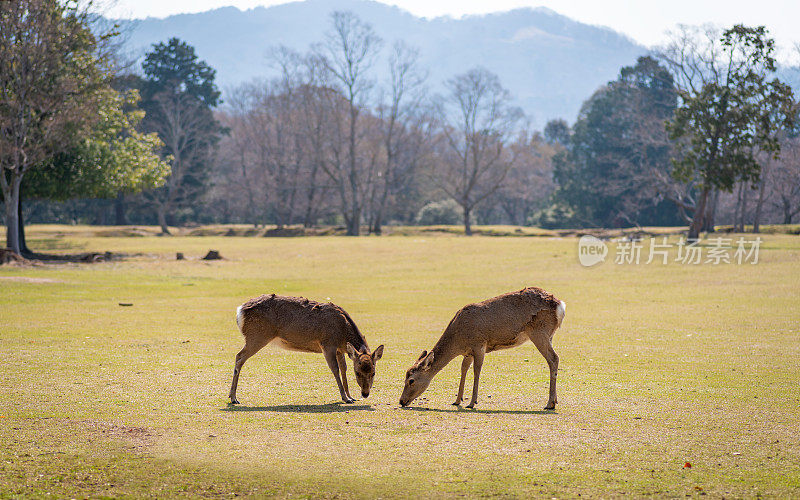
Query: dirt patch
{"points": [[136, 438], [25, 279]]}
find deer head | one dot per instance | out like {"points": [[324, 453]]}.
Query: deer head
{"points": [[418, 377], [364, 365]]}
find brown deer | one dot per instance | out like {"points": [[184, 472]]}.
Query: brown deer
{"points": [[498, 323], [299, 324]]}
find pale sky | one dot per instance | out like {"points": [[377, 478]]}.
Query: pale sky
{"points": [[643, 20]]}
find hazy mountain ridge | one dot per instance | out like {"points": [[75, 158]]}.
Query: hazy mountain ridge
{"points": [[549, 62]]}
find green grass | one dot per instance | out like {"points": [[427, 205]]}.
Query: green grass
{"points": [[660, 365]]}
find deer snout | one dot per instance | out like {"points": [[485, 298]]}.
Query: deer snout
{"points": [[365, 394], [403, 403]]}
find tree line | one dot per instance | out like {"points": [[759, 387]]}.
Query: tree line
{"points": [[699, 131]]}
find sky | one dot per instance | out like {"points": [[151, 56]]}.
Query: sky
{"points": [[646, 21]]}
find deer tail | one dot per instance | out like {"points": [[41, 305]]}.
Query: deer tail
{"points": [[561, 311], [239, 318]]}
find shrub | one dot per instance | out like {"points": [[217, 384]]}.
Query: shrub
{"points": [[440, 213]]}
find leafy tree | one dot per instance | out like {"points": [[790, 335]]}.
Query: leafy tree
{"points": [[557, 132], [114, 156], [617, 151], [178, 94], [729, 109], [49, 78]]}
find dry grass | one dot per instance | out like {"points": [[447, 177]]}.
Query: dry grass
{"points": [[660, 365]]}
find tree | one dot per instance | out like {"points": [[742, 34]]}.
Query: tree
{"points": [[557, 132], [48, 76], [618, 150], [529, 182], [62, 126], [785, 179], [348, 54], [178, 94], [479, 120], [405, 126], [113, 156], [729, 109]]}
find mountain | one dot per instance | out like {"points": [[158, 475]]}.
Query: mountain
{"points": [[549, 62]]}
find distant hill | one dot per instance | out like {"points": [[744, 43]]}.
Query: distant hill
{"points": [[549, 62]]}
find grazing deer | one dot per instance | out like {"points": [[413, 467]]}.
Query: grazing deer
{"points": [[299, 324], [498, 323]]}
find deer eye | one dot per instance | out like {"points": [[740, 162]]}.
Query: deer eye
{"points": [[411, 381]]}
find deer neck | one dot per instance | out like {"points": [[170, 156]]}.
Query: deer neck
{"points": [[442, 356], [357, 341]]}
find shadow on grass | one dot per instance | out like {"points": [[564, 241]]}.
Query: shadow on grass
{"points": [[461, 409], [326, 408]]}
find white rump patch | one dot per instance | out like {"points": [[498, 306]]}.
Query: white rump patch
{"points": [[239, 317], [561, 311]]}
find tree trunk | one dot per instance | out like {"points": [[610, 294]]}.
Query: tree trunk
{"points": [[23, 242], [119, 210], [354, 226], [11, 198], [162, 220], [743, 212], [787, 211], [467, 225], [699, 216], [377, 227], [759, 203], [738, 208], [711, 213]]}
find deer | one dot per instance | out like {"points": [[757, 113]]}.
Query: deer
{"points": [[498, 323], [300, 324]]}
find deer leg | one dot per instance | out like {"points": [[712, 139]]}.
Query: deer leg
{"points": [[333, 364], [477, 356], [251, 347], [343, 372], [464, 367], [544, 346]]}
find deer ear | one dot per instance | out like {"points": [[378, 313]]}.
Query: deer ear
{"points": [[377, 354], [427, 362], [351, 351], [424, 353], [363, 349]]}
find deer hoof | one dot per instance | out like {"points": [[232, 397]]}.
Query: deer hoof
{"points": [[234, 401], [348, 400], [471, 405], [550, 406], [457, 403]]}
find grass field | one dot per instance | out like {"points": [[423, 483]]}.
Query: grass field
{"points": [[660, 365]]}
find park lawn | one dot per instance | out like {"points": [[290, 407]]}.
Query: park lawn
{"points": [[660, 365]]}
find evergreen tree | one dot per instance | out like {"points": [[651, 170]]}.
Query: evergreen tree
{"points": [[178, 96]]}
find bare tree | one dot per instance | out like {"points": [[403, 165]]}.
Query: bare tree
{"points": [[240, 163], [479, 120], [315, 97], [182, 125], [405, 125], [784, 180], [348, 54], [530, 179]]}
